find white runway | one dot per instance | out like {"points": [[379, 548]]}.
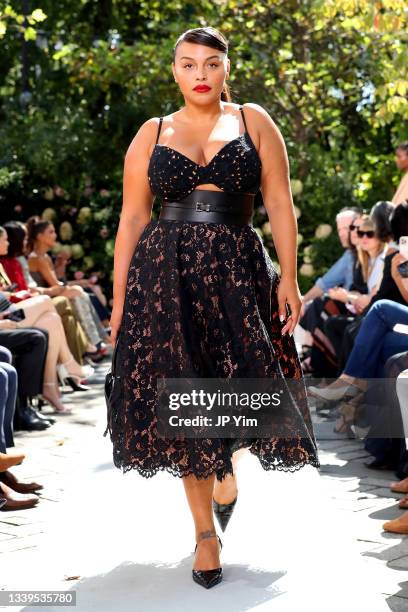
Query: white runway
{"points": [[131, 539]]}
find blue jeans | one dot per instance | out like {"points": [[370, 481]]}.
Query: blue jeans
{"points": [[8, 395], [376, 342]]}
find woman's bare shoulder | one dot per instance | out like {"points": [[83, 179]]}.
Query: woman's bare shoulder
{"points": [[258, 114], [32, 256], [39, 260], [144, 138], [267, 133]]}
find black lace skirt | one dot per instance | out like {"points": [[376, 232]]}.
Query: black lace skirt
{"points": [[201, 298]]}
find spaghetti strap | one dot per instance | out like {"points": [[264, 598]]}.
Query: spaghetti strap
{"points": [[158, 131], [243, 117]]}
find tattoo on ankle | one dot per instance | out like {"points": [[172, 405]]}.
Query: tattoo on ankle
{"points": [[210, 533]]}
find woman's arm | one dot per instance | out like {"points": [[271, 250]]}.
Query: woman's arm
{"points": [[135, 213], [44, 265], [399, 280], [277, 197]]}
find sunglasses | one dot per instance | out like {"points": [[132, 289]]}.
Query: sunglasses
{"points": [[353, 227], [368, 233]]}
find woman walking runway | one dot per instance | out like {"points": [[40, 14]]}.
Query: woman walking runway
{"points": [[195, 291]]}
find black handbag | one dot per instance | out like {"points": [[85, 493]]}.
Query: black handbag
{"points": [[113, 389]]}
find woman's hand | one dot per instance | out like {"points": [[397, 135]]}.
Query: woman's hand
{"points": [[362, 302], [338, 293], [115, 321], [395, 262], [73, 291], [8, 324], [288, 293]]}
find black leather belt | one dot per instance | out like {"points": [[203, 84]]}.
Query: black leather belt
{"points": [[211, 207]]}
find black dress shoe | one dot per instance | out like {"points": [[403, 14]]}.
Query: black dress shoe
{"points": [[27, 421], [223, 512], [208, 578], [40, 416]]}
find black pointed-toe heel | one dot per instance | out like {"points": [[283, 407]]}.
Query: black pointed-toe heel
{"points": [[208, 578], [223, 512]]}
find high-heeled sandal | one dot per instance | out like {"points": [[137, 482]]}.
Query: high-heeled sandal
{"points": [[64, 374], [75, 386], [207, 578], [66, 409], [223, 512], [98, 355], [349, 412]]}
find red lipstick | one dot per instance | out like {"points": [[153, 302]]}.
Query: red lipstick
{"points": [[202, 88]]}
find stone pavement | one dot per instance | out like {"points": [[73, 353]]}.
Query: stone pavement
{"points": [[310, 538]]}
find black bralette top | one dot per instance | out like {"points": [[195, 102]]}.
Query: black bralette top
{"points": [[235, 168]]}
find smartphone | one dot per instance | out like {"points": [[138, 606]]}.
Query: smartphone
{"points": [[403, 269], [16, 315], [403, 246]]}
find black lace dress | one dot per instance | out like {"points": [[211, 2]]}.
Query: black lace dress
{"points": [[202, 297]]}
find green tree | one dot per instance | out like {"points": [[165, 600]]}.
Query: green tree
{"points": [[332, 74]]}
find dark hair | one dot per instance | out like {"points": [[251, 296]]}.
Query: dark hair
{"points": [[210, 37], [16, 233], [403, 146], [399, 220], [35, 226], [380, 214]]}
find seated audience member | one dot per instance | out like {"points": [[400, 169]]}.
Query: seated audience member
{"points": [[341, 306], [341, 272], [29, 348], [335, 300], [16, 266], [41, 238], [39, 311], [392, 286]]}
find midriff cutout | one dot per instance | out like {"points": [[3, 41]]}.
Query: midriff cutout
{"points": [[207, 185]]}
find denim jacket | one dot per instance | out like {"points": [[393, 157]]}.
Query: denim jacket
{"points": [[340, 274]]}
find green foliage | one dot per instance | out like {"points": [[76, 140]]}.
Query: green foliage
{"points": [[332, 74]]}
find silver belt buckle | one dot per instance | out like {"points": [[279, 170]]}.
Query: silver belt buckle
{"points": [[203, 206]]}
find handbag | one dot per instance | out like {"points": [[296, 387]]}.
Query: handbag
{"points": [[113, 389]]}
